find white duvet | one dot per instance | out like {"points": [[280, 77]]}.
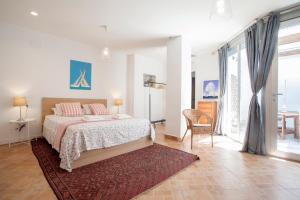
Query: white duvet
{"points": [[93, 135]]}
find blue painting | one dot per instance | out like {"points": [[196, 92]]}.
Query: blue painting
{"points": [[210, 89], [80, 75]]}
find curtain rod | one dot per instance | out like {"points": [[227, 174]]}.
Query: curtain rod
{"points": [[288, 9], [281, 11], [235, 35]]}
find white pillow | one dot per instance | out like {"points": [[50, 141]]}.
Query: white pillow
{"points": [[86, 109], [54, 111], [58, 109]]}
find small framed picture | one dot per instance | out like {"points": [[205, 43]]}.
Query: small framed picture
{"points": [[149, 80], [210, 89]]}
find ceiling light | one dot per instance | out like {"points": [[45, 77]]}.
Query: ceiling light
{"points": [[33, 13], [105, 50], [220, 3], [220, 10]]}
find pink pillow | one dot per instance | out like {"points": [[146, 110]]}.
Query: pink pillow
{"points": [[71, 109], [98, 109]]}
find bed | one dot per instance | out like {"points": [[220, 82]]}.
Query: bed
{"points": [[85, 142]]}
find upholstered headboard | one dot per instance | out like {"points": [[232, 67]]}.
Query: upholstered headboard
{"points": [[48, 103]]}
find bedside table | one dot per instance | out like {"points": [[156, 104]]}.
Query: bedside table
{"points": [[13, 129]]}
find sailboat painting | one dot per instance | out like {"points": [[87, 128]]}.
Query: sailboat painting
{"points": [[80, 75]]}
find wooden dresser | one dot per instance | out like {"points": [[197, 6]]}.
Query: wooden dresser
{"points": [[210, 108]]}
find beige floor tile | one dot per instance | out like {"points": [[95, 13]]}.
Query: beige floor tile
{"points": [[222, 173]]}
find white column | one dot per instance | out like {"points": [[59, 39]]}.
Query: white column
{"points": [[130, 85], [178, 90]]}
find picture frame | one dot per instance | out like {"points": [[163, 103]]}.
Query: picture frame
{"points": [[210, 89], [80, 75]]}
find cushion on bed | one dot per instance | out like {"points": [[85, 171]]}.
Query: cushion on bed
{"points": [[54, 111], [98, 109], [86, 109], [58, 110], [71, 109]]}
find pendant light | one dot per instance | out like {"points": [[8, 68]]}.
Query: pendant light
{"points": [[105, 51], [221, 10]]}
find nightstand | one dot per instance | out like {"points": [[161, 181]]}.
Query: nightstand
{"points": [[15, 125]]}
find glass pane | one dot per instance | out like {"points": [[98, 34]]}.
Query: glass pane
{"points": [[238, 92], [233, 95], [288, 88], [245, 93]]}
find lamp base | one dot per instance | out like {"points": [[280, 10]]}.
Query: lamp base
{"points": [[21, 120]]}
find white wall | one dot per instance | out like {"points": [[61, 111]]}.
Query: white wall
{"points": [[206, 66], [36, 65], [138, 65], [178, 92]]}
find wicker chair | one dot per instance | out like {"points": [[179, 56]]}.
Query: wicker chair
{"points": [[193, 119]]}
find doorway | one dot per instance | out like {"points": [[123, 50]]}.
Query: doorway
{"points": [[193, 102]]}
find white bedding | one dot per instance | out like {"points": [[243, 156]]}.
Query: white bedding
{"points": [[93, 135]]}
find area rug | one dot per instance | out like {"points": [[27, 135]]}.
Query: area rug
{"points": [[121, 177]]}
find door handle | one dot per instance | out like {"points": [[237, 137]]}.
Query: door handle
{"points": [[277, 94]]}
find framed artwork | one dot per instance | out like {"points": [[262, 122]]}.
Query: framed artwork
{"points": [[210, 89], [80, 75], [148, 78]]}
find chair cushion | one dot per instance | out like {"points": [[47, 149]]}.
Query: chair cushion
{"points": [[202, 125]]}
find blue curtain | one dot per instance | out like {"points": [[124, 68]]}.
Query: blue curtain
{"points": [[261, 42], [223, 64]]}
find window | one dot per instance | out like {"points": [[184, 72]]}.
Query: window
{"points": [[238, 93]]}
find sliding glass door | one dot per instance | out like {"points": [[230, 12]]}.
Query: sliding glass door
{"points": [[284, 95], [238, 93]]}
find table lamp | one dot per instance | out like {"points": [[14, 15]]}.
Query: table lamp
{"points": [[19, 102], [118, 102]]}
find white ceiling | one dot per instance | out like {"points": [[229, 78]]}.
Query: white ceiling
{"points": [[135, 23]]}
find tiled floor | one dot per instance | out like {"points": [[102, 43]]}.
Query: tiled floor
{"points": [[222, 173]]}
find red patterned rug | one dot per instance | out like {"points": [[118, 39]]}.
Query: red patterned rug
{"points": [[120, 177]]}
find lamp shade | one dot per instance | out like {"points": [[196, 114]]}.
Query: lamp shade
{"points": [[118, 102], [19, 101]]}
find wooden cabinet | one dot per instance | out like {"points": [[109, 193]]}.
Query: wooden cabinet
{"points": [[210, 108]]}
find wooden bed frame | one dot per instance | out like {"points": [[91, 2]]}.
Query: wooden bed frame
{"points": [[92, 156]]}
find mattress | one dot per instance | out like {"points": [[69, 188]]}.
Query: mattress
{"points": [[83, 136], [51, 124]]}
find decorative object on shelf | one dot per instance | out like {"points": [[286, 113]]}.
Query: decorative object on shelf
{"points": [[149, 80], [20, 102], [80, 75], [21, 126], [220, 10], [210, 89], [118, 103]]}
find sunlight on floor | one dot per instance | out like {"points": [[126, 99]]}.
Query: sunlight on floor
{"points": [[278, 159], [289, 144], [221, 142]]}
